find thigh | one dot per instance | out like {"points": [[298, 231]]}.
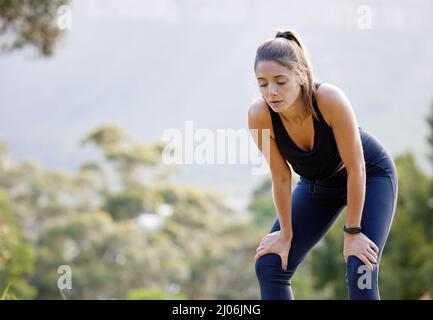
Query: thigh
{"points": [[379, 208], [377, 215], [313, 213]]}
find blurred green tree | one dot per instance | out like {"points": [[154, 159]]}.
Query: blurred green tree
{"points": [[16, 255], [139, 233], [30, 23]]}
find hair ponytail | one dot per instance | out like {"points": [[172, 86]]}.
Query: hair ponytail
{"points": [[289, 35]]}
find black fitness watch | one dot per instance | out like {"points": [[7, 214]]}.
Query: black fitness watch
{"points": [[352, 230]]}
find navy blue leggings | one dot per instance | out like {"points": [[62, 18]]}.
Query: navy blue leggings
{"points": [[316, 205]]}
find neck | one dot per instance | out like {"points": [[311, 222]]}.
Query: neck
{"points": [[296, 113]]}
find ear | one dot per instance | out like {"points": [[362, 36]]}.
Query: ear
{"points": [[299, 79]]}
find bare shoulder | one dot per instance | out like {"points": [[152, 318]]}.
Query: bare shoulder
{"points": [[259, 116], [330, 100]]}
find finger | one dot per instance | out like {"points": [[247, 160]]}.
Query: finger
{"points": [[370, 257], [262, 242], [367, 263], [260, 253], [264, 239], [372, 252], [284, 262], [375, 248]]}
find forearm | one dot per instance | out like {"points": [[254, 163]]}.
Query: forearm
{"points": [[282, 193], [356, 180]]}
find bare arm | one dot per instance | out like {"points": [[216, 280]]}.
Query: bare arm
{"points": [[259, 123], [345, 129]]}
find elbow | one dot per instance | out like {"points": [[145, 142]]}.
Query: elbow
{"points": [[358, 169], [282, 181]]}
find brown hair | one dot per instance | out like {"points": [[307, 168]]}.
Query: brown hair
{"points": [[287, 50]]}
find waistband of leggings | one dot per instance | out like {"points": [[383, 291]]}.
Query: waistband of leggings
{"points": [[337, 179]]}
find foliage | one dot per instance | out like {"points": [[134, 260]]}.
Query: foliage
{"points": [[84, 220], [30, 23]]}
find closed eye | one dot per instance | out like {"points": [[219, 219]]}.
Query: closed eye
{"points": [[280, 83]]}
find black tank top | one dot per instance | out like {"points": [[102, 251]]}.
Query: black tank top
{"points": [[322, 161]]}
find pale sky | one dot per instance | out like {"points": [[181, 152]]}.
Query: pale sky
{"points": [[149, 66]]}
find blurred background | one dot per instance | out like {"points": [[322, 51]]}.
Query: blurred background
{"points": [[88, 210]]}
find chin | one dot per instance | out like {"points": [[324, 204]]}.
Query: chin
{"points": [[281, 108]]}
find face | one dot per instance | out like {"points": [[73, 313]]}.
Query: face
{"points": [[279, 86]]}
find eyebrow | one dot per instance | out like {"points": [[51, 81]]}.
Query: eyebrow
{"points": [[277, 76]]}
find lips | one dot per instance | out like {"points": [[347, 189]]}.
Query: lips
{"points": [[276, 102]]}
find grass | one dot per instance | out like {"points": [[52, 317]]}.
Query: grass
{"points": [[6, 295]]}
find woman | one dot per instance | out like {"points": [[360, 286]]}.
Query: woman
{"points": [[312, 126]]}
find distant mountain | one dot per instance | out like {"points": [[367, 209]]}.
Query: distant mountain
{"points": [[191, 60]]}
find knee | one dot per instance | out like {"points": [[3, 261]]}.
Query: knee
{"points": [[262, 266], [362, 282], [353, 264], [268, 267], [355, 267]]}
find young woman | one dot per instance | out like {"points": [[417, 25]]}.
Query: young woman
{"points": [[312, 126]]}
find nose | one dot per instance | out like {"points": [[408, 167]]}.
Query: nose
{"points": [[272, 90]]}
